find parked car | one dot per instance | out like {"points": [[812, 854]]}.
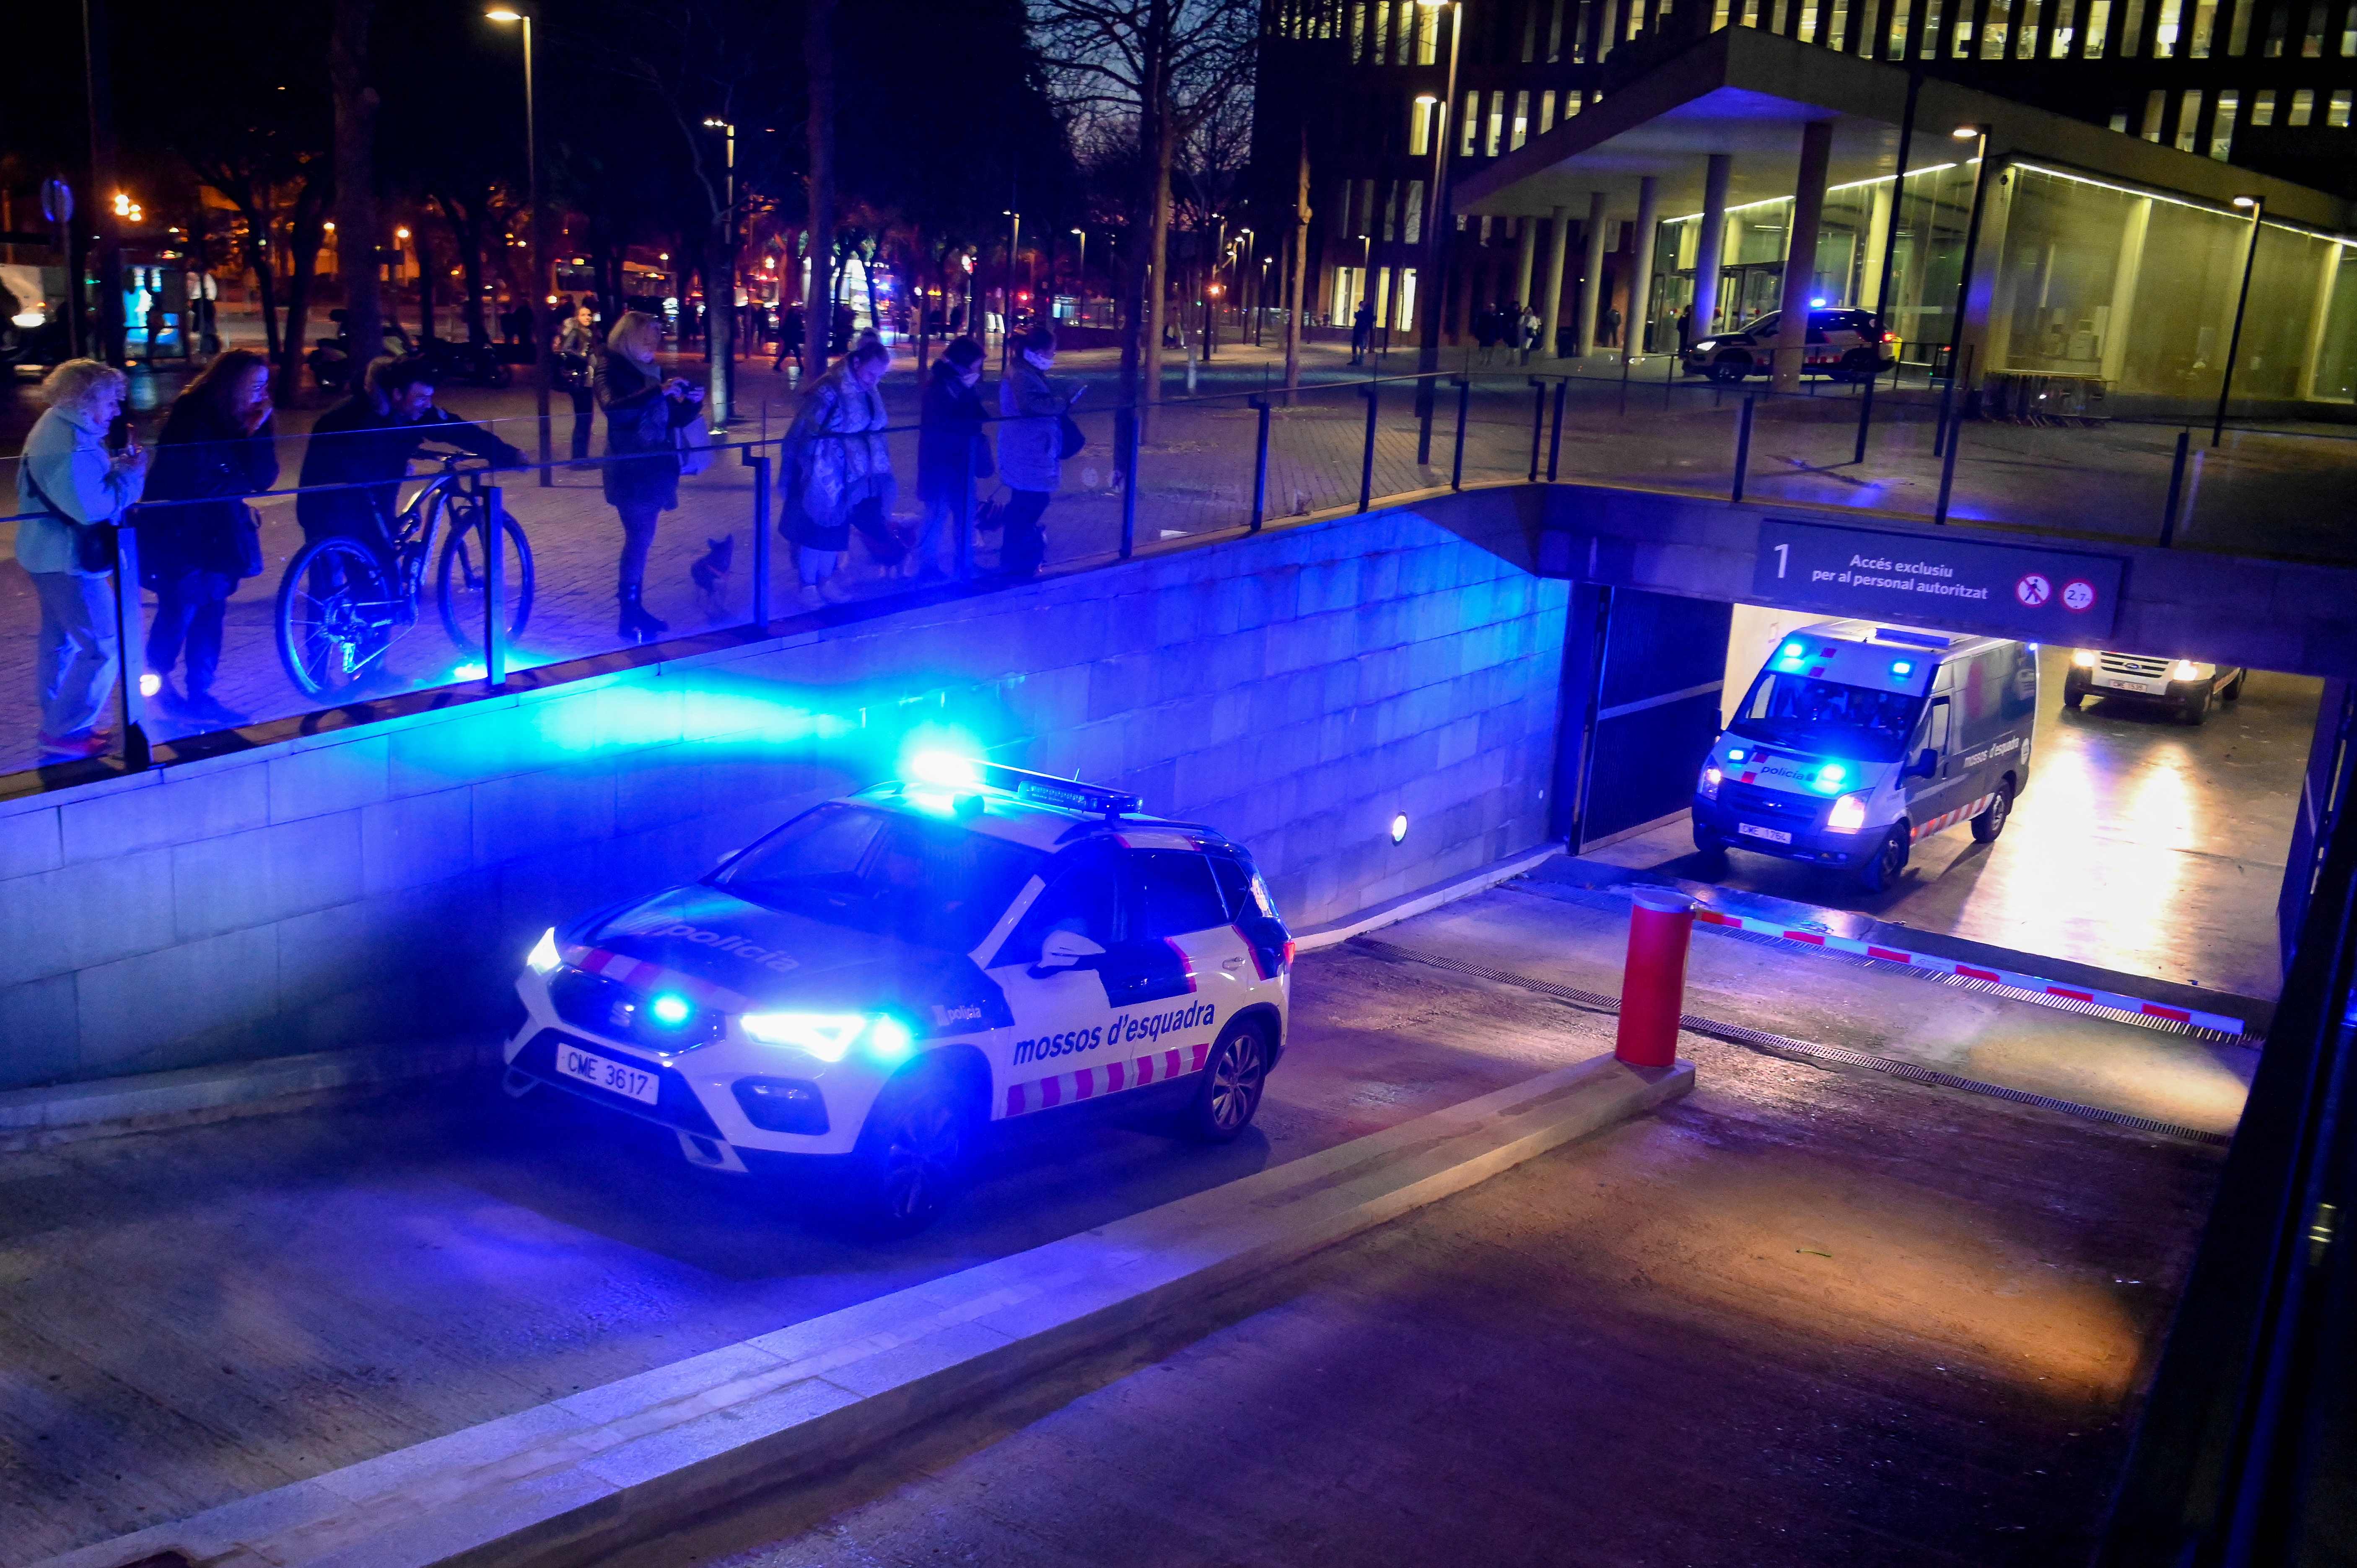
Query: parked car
{"points": [[1846, 345], [2187, 685]]}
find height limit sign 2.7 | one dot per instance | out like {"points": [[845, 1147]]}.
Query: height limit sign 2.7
{"points": [[2004, 590]]}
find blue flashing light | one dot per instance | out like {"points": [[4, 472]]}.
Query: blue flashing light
{"points": [[1831, 776], [1901, 667], [1819, 302], [888, 1039], [1735, 754], [669, 1010], [945, 768]]}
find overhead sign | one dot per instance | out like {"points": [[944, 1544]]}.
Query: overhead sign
{"points": [[2004, 590]]}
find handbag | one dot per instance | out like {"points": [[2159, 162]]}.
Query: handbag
{"points": [[692, 440], [1070, 438], [93, 542]]}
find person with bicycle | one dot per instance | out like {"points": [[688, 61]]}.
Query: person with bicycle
{"points": [[365, 443]]}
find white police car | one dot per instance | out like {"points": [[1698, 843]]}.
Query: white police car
{"points": [[869, 985]]}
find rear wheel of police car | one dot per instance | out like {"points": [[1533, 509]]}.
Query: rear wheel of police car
{"points": [[1858, 365], [1877, 874], [1993, 817], [1730, 367], [914, 1154], [1233, 1077]]}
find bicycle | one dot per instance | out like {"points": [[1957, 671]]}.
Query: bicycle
{"points": [[342, 602]]}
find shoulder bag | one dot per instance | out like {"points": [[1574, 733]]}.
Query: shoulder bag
{"points": [[93, 542]]}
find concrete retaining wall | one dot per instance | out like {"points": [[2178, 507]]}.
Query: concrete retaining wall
{"points": [[380, 883]]}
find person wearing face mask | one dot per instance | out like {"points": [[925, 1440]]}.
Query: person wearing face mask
{"points": [[1031, 450], [67, 484], [950, 454], [217, 447], [839, 473]]}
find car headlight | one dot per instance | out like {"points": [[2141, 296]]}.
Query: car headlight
{"points": [[1847, 816], [1707, 785], [2085, 658], [2185, 669], [826, 1035], [544, 956]]}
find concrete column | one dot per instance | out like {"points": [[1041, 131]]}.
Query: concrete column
{"points": [[1801, 251], [1640, 279], [1708, 252], [1591, 282], [1877, 242], [1551, 302], [2125, 273], [1526, 255]]}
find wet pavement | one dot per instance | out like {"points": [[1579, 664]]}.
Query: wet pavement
{"points": [[2142, 844], [196, 1315]]}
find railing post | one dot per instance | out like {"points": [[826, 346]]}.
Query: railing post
{"points": [[131, 650], [1129, 484], [1554, 431], [1743, 443], [1948, 467], [1457, 464], [1426, 386], [1372, 392], [1538, 423], [760, 467], [2176, 489], [495, 587], [1260, 467]]}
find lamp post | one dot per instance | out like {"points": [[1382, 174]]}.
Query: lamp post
{"points": [[720, 397], [1945, 430], [1006, 300], [1081, 280], [2257, 207], [536, 300], [1436, 226]]}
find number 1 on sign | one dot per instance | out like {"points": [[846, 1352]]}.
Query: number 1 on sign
{"points": [[1784, 553]]}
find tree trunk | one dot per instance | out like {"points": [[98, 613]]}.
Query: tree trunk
{"points": [[424, 245], [466, 228], [355, 165], [306, 235], [818, 64], [1297, 265], [258, 257], [1157, 251]]}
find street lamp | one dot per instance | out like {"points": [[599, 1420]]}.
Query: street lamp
{"points": [[1081, 277], [720, 320], [1945, 430], [2256, 206], [1437, 225], [534, 300]]}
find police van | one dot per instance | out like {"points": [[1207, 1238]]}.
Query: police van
{"points": [[861, 993], [1855, 740]]}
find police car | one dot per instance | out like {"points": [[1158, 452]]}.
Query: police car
{"points": [[867, 988], [1848, 345]]}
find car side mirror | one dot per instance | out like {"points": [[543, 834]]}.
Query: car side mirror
{"points": [[1067, 950], [1927, 763]]}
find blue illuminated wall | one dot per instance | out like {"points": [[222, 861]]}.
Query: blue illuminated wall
{"points": [[381, 884]]}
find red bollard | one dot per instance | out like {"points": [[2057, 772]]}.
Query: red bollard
{"points": [[1653, 986]]}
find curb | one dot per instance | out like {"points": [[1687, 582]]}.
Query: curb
{"points": [[1408, 906], [615, 1464]]}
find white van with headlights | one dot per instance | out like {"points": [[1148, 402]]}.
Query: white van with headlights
{"points": [[1857, 740], [2185, 684]]}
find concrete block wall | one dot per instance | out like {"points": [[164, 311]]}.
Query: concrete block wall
{"points": [[380, 883]]}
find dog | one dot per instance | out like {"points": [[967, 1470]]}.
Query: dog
{"points": [[710, 569]]}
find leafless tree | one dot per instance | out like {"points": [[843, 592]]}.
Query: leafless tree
{"points": [[1151, 72]]}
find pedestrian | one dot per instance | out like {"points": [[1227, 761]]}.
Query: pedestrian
{"points": [[360, 451], [1526, 333], [67, 486], [216, 448], [1032, 410], [1363, 330], [840, 473], [577, 372], [1685, 328], [1611, 327], [1485, 332], [642, 473], [950, 454], [790, 338]]}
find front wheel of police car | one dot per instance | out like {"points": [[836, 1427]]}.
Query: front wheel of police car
{"points": [[1232, 1080], [913, 1154]]}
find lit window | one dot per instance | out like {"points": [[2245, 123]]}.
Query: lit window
{"points": [[2336, 111], [1468, 124], [1419, 127], [2222, 135], [2262, 107], [1493, 143], [2303, 107], [1546, 112], [2099, 17], [2164, 34], [2156, 106], [1522, 119], [2189, 119]]}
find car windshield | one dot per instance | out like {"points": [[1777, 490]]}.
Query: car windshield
{"points": [[1827, 717], [932, 883], [1763, 324]]}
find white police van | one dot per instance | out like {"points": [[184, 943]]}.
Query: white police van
{"points": [[869, 986], [1855, 740]]}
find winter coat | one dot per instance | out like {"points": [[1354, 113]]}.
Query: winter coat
{"points": [[356, 443], [949, 439], [836, 460], [200, 453], [1030, 433], [639, 419], [66, 454]]}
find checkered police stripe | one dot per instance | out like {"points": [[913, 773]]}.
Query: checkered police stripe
{"points": [[2029, 987], [1925, 830], [640, 975], [1111, 1078]]}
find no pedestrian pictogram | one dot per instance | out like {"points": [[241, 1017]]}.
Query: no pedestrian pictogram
{"points": [[2034, 590]]}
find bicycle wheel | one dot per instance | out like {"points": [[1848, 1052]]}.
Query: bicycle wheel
{"points": [[458, 577], [337, 611]]}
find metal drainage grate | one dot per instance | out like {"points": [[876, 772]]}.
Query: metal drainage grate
{"points": [[1782, 1045]]}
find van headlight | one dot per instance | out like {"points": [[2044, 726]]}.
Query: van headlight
{"points": [[829, 1035], [2185, 669], [2084, 658], [1707, 785], [1848, 815], [544, 957]]}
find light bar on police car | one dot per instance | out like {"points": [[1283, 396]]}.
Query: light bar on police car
{"points": [[950, 771]]}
